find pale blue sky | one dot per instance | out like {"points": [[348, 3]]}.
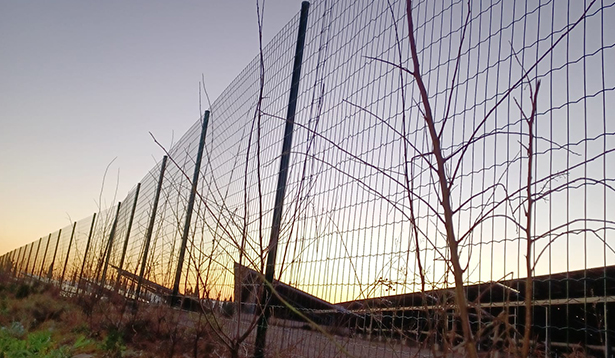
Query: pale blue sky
{"points": [[84, 82]]}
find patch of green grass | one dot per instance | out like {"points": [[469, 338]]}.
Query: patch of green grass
{"points": [[31, 323], [15, 343]]}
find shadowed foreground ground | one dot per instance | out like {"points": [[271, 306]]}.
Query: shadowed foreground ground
{"points": [[36, 320]]}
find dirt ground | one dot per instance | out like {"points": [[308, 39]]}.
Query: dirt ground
{"points": [[292, 339]]}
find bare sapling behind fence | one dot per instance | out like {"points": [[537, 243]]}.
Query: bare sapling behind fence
{"points": [[446, 188]]}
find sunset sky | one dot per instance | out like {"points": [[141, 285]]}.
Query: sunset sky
{"points": [[83, 83]]}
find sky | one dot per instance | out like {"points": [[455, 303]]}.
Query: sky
{"points": [[83, 83]]}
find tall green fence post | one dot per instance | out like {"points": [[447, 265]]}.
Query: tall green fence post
{"points": [[150, 229], [25, 270], [24, 258], [40, 271], [120, 267], [17, 263], [261, 330], [110, 246], [38, 247], [189, 209], [85, 253], [53, 261], [70, 244]]}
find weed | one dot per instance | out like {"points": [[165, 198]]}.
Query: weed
{"points": [[114, 343], [36, 344], [39, 322], [23, 290]]}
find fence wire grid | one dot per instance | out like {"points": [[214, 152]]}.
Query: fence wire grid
{"points": [[521, 93]]}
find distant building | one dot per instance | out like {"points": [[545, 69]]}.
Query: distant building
{"points": [[569, 309]]}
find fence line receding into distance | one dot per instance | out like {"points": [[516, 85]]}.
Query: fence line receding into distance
{"points": [[522, 99]]}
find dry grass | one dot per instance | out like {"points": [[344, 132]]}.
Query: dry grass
{"points": [[110, 326]]}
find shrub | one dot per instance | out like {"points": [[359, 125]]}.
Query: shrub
{"points": [[114, 342], [23, 290]]}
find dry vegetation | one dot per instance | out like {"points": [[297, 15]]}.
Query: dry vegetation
{"points": [[37, 321]]}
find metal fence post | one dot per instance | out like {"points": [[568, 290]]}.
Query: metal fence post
{"points": [[132, 216], [24, 259], [25, 270], [17, 257], [261, 330], [195, 179], [608, 335], [87, 248], [16, 254], [150, 228], [70, 243], [103, 277], [38, 247], [17, 261], [40, 272], [53, 261]]}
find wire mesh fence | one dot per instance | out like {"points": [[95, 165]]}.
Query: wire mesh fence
{"points": [[448, 187]]}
